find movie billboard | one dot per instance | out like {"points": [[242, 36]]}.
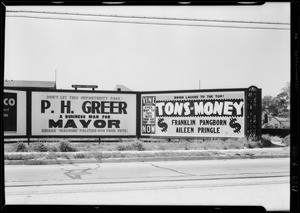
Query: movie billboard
{"points": [[196, 114], [14, 113], [83, 114]]}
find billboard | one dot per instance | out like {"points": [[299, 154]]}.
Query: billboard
{"points": [[83, 114], [194, 114], [10, 111], [14, 113]]}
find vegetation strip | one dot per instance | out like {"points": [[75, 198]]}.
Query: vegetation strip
{"points": [[228, 154], [140, 150]]}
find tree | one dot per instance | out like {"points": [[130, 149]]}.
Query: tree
{"points": [[283, 101], [269, 105], [279, 105]]}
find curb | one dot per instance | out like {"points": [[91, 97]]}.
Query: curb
{"points": [[38, 158], [139, 159]]}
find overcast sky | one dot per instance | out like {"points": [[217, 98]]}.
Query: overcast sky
{"points": [[147, 57]]}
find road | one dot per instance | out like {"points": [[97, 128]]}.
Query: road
{"points": [[263, 182]]}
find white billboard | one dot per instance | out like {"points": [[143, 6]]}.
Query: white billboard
{"points": [[83, 114], [195, 114], [14, 113]]}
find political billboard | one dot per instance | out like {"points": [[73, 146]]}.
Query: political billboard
{"points": [[193, 114], [14, 113], [83, 114]]}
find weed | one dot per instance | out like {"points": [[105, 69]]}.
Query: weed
{"points": [[186, 145], [65, 146], [133, 146], [249, 154], [66, 156], [213, 144], [20, 147], [98, 155], [253, 144]]}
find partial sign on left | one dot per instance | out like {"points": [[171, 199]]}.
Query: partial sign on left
{"points": [[14, 113]]}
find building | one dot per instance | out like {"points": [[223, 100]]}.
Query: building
{"points": [[269, 121], [120, 87], [47, 85]]}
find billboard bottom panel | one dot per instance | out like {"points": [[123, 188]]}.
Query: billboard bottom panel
{"points": [[196, 127]]}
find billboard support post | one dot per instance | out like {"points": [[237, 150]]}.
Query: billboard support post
{"points": [[253, 115], [28, 115], [138, 116]]}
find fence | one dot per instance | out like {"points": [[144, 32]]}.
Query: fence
{"points": [[276, 132]]}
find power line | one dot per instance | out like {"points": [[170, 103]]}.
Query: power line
{"points": [[151, 23], [146, 17]]}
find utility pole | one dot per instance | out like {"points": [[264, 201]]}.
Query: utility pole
{"points": [[55, 79]]}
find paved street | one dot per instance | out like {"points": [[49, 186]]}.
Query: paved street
{"points": [[262, 182]]}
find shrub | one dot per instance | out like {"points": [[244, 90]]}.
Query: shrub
{"points": [[266, 141], [122, 147], [65, 146], [52, 148], [286, 140], [40, 147], [20, 147], [79, 155], [138, 146]]}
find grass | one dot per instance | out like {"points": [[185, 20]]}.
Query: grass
{"points": [[20, 156], [38, 152], [138, 145], [39, 158]]}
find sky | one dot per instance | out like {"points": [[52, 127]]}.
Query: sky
{"points": [[150, 57]]}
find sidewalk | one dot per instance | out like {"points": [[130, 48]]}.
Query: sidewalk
{"points": [[40, 158]]}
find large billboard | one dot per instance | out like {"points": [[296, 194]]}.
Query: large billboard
{"points": [[195, 114], [65, 113], [83, 114], [14, 113]]}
